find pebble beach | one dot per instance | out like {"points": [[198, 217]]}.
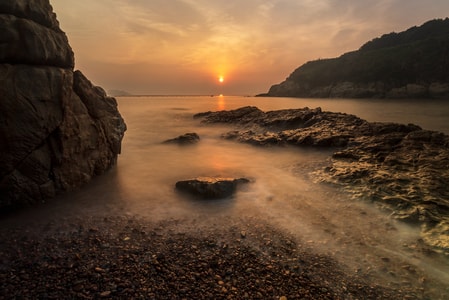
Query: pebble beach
{"points": [[124, 257]]}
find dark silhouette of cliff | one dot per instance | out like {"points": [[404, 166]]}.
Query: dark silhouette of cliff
{"points": [[57, 130], [410, 64]]}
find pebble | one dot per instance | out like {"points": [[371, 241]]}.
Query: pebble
{"points": [[168, 264], [105, 294], [99, 270]]}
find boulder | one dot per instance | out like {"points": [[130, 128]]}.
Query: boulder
{"points": [[210, 187], [57, 130], [185, 139]]}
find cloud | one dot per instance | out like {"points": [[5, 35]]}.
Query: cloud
{"points": [[265, 38]]}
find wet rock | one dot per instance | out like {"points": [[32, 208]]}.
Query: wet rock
{"points": [[185, 139], [210, 187], [242, 115], [302, 127]]}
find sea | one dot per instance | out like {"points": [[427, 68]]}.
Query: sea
{"points": [[283, 191]]}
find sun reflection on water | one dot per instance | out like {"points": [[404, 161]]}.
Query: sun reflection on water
{"points": [[221, 103]]}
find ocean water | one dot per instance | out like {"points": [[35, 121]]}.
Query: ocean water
{"points": [[283, 193]]}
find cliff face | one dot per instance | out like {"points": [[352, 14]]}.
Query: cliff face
{"points": [[410, 64], [57, 130]]}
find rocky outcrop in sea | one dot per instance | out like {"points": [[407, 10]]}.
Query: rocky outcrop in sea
{"points": [[402, 168], [57, 130], [189, 138]]}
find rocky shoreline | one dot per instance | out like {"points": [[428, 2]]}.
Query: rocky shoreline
{"points": [[348, 89], [402, 168], [124, 257]]}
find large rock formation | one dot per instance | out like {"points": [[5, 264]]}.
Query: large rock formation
{"points": [[402, 168], [57, 130]]}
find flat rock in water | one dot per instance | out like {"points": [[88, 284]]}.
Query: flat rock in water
{"points": [[185, 139], [210, 187]]}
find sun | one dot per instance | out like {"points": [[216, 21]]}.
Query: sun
{"points": [[221, 79]]}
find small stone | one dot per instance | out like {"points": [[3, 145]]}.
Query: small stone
{"points": [[99, 270], [105, 294], [283, 298], [78, 287], [185, 139], [243, 234]]}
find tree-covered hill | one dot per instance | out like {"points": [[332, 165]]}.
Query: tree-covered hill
{"points": [[413, 63]]}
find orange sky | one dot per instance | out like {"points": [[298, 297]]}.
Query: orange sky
{"points": [[184, 46]]}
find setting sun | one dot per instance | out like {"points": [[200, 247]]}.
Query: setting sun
{"points": [[221, 79]]}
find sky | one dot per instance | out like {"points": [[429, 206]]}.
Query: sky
{"points": [[183, 47]]}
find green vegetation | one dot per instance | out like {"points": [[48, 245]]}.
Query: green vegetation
{"points": [[418, 55]]}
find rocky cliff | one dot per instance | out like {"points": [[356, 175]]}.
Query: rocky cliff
{"points": [[409, 64], [57, 130]]}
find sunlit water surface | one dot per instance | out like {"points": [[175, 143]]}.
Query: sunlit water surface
{"points": [[283, 192]]}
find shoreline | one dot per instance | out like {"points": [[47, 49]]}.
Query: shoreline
{"points": [[130, 257]]}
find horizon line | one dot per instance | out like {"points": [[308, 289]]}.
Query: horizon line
{"points": [[182, 95]]}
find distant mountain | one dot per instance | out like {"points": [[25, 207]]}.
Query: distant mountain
{"points": [[410, 64], [118, 93]]}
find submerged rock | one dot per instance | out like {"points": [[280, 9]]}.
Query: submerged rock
{"points": [[185, 139], [210, 187], [403, 168], [57, 130]]}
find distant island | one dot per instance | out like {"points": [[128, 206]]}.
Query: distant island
{"points": [[118, 93], [410, 64]]}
